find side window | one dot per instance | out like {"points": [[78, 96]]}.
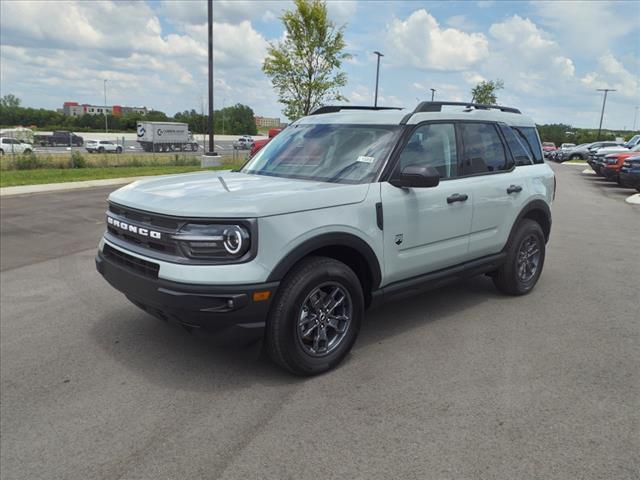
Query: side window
{"points": [[483, 149], [435, 145], [529, 138], [520, 154], [6, 140]]}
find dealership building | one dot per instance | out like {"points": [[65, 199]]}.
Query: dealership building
{"points": [[74, 109]]}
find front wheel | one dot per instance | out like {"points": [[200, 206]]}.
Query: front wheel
{"points": [[119, 150], [316, 316], [27, 151], [101, 150], [524, 262]]}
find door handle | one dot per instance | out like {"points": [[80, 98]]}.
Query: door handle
{"points": [[457, 197], [514, 189]]}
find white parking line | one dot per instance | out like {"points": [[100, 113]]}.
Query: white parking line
{"points": [[633, 199]]}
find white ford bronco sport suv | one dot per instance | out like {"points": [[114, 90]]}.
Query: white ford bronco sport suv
{"points": [[344, 209]]}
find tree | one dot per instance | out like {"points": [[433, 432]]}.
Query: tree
{"points": [[485, 91], [305, 67], [10, 101]]}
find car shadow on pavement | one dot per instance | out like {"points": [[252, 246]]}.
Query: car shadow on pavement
{"points": [[168, 355], [442, 304], [610, 188]]}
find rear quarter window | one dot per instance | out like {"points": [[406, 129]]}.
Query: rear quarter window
{"points": [[529, 137]]}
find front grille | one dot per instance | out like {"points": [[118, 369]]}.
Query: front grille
{"points": [[148, 269], [165, 225]]}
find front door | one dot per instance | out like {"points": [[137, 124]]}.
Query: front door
{"points": [[427, 229]]}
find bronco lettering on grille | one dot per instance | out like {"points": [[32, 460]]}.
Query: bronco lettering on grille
{"points": [[127, 227]]}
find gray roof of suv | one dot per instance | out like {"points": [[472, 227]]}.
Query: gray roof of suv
{"points": [[394, 117]]}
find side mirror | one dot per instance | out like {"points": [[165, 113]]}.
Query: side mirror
{"points": [[416, 176]]}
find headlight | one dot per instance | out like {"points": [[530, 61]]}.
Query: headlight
{"points": [[612, 161], [213, 241]]}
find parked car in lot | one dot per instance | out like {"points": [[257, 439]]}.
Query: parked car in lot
{"points": [[559, 154], [103, 146], [243, 143], [346, 208], [597, 158], [613, 162], [12, 145], [547, 148], [582, 152], [630, 173]]}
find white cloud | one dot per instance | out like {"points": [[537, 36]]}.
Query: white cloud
{"points": [[588, 28], [420, 42], [143, 63], [613, 74]]}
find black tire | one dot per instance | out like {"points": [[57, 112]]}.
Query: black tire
{"points": [[575, 156], [1, 152], [27, 151], [101, 150], [119, 150], [286, 345], [512, 278]]}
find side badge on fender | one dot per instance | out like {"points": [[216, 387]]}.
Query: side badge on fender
{"points": [[399, 239]]}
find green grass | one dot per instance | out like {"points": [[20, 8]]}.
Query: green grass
{"points": [[9, 178]]}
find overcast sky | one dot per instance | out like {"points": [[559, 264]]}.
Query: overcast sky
{"points": [[552, 56]]}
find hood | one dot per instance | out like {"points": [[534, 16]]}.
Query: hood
{"points": [[202, 194]]}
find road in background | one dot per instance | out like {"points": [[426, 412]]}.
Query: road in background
{"points": [[458, 383]]}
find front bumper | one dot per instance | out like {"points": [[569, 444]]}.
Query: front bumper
{"points": [[227, 310]]}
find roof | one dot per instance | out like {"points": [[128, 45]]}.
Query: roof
{"points": [[367, 116]]}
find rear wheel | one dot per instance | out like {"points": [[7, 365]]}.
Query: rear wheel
{"points": [[575, 156], [27, 151], [101, 150], [315, 318], [119, 150], [524, 262]]}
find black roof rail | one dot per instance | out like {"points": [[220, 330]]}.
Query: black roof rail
{"points": [[337, 108], [437, 107]]}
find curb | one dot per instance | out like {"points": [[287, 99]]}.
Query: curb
{"points": [[63, 186], [633, 199]]}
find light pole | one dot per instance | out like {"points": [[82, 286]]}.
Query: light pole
{"points": [[106, 126], [375, 101], [433, 93], [211, 151], [604, 102], [635, 117], [223, 100]]}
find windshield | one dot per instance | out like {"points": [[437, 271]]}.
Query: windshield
{"points": [[341, 153]]}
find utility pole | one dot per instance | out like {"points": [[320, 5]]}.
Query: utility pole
{"points": [[223, 100], [211, 151], [635, 117], [604, 102], [375, 101], [433, 93], [106, 126]]}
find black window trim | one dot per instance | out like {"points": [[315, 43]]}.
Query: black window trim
{"points": [[518, 136]]}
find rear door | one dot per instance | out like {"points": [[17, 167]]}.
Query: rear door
{"points": [[499, 188], [427, 229]]}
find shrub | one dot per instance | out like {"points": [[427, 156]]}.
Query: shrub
{"points": [[77, 160], [27, 162]]}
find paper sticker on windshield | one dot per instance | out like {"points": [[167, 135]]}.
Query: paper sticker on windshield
{"points": [[364, 159]]}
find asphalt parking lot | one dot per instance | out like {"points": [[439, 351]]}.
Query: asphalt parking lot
{"points": [[459, 383]]}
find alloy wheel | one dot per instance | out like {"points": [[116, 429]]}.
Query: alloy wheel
{"points": [[324, 319]]}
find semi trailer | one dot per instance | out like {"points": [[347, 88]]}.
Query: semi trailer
{"points": [[165, 137]]}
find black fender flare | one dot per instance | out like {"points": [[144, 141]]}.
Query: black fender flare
{"points": [[534, 205], [336, 239]]}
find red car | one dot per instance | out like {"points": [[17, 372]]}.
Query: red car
{"points": [[258, 144], [613, 162]]}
